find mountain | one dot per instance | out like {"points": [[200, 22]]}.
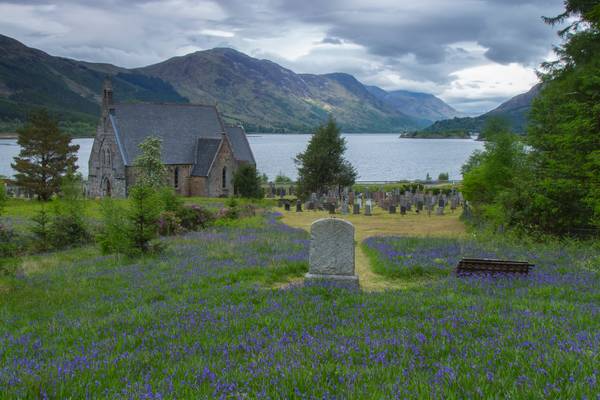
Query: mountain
{"points": [[30, 79], [265, 96], [418, 105], [515, 110], [260, 94]]}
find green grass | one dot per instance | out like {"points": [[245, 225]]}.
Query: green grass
{"points": [[201, 321]]}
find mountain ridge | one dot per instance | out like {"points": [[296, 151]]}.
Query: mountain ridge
{"points": [[515, 110], [259, 94]]}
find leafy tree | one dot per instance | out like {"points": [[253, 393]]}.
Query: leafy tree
{"points": [[443, 177], [490, 175], [281, 179], [246, 182], [264, 179], [322, 165], [146, 202], [46, 155], [149, 166], [564, 133]]}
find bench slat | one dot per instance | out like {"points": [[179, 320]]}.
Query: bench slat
{"points": [[487, 265]]}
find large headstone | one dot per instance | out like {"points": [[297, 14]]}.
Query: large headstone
{"points": [[331, 256]]}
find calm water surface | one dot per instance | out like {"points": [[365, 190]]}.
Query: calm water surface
{"points": [[377, 157]]}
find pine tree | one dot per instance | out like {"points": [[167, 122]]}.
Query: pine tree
{"points": [[247, 182], [564, 133], [322, 165], [46, 155]]}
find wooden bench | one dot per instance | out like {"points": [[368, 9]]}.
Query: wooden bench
{"points": [[491, 266]]}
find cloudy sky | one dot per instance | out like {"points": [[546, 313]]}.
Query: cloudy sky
{"points": [[474, 54]]}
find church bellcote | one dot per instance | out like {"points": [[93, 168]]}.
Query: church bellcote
{"points": [[107, 96], [107, 100]]}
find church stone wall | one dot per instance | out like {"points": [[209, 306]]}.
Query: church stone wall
{"points": [[106, 168], [224, 159]]}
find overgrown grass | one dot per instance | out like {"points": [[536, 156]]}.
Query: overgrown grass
{"points": [[200, 321]]}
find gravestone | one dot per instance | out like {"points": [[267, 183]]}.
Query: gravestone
{"points": [[402, 210], [368, 208], [392, 209], [331, 207], [286, 206], [298, 206], [331, 255], [356, 209]]}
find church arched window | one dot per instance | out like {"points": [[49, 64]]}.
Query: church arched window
{"points": [[224, 178], [176, 177]]}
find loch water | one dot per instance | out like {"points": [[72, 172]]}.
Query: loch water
{"points": [[377, 157]]}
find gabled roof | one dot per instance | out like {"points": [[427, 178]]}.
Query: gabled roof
{"points": [[239, 143], [206, 150], [179, 126]]}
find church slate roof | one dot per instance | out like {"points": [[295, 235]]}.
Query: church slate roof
{"points": [[179, 126], [239, 142], [206, 149]]}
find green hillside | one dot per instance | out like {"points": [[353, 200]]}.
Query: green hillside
{"points": [[515, 111]]}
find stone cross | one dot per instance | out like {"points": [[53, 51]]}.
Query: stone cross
{"points": [[331, 255]]}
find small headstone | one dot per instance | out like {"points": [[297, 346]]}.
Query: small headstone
{"points": [[298, 206], [403, 210], [392, 209], [368, 210], [356, 209], [331, 208], [331, 256], [286, 206]]}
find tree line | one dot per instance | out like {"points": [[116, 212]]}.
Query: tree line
{"points": [[550, 181]]}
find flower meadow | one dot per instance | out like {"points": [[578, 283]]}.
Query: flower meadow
{"points": [[209, 319]]}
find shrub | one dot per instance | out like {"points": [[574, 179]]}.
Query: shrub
{"points": [[196, 217], [443, 177], [114, 233], [169, 224]]}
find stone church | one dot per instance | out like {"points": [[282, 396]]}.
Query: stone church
{"points": [[200, 152]]}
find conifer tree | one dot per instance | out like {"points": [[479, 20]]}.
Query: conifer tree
{"points": [[564, 133], [46, 155], [322, 165]]}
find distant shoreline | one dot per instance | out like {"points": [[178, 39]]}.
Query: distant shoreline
{"points": [[8, 135]]}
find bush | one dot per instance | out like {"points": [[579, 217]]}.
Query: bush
{"points": [[196, 217], [169, 224], [443, 177], [114, 233]]}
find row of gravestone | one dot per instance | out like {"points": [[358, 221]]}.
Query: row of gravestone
{"points": [[421, 202]]}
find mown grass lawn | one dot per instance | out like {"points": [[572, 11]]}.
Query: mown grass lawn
{"points": [[202, 321]]}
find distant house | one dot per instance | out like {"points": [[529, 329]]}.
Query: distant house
{"points": [[201, 152]]}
